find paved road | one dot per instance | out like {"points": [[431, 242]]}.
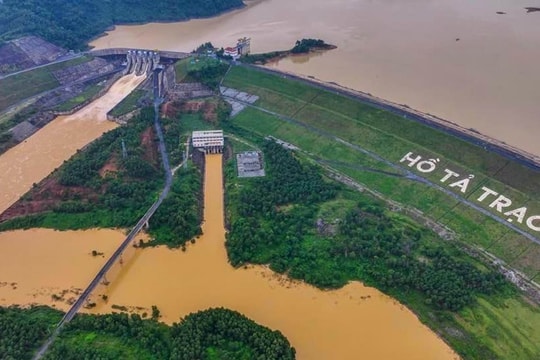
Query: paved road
{"points": [[400, 169], [114, 257]]}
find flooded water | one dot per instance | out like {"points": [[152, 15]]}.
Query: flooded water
{"points": [[35, 158], [48, 267], [353, 322], [39, 263], [457, 59]]}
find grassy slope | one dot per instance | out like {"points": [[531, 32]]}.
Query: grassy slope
{"points": [[128, 104], [375, 130], [504, 327]]}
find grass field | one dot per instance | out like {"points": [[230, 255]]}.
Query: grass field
{"points": [[391, 137], [19, 87], [128, 104]]}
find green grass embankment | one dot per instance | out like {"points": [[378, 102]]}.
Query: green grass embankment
{"points": [[128, 104], [393, 253], [391, 137]]}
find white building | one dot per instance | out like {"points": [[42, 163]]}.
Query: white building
{"points": [[210, 141]]}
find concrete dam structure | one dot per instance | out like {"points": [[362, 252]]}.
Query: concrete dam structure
{"points": [[141, 62]]}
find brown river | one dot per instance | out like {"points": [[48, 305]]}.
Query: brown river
{"points": [[35, 158], [350, 323], [456, 59]]}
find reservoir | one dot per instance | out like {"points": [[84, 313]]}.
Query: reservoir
{"points": [[456, 59], [36, 157], [350, 323]]}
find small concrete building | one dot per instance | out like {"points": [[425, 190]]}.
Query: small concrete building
{"points": [[249, 164], [209, 141]]}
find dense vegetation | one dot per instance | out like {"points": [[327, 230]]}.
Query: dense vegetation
{"points": [[23, 331], [209, 73], [178, 218], [306, 45], [273, 220], [72, 23], [99, 186], [210, 334]]}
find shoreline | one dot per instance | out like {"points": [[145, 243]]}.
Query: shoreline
{"points": [[105, 33], [470, 135]]}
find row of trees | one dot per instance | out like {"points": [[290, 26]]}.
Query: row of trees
{"points": [[211, 334], [306, 45], [72, 23], [272, 221]]}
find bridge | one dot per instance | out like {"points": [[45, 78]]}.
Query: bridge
{"points": [[70, 314]]}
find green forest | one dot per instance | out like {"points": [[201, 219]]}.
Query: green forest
{"points": [[210, 334], [72, 24], [272, 221]]}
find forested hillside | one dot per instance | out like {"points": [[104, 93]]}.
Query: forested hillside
{"points": [[72, 23]]}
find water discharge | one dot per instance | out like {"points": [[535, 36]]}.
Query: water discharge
{"points": [[355, 321], [457, 59], [36, 157]]}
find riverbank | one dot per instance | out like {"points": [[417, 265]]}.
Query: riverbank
{"points": [[454, 80]]}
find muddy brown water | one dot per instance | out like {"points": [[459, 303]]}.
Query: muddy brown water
{"points": [[36, 157], [457, 59], [350, 323]]}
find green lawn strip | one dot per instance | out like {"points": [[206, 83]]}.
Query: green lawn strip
{"points": [[321, 147], [529, 262], [194, 122], [508, 327], [269, 99], [84, 96], [473, 227], [239, 146], [509, 247], [238, 75], [128, 104]]}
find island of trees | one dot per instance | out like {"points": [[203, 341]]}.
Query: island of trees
{"points": [[303, 46]]}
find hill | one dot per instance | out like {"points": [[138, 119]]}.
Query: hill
{"points": [[71, 24]]}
